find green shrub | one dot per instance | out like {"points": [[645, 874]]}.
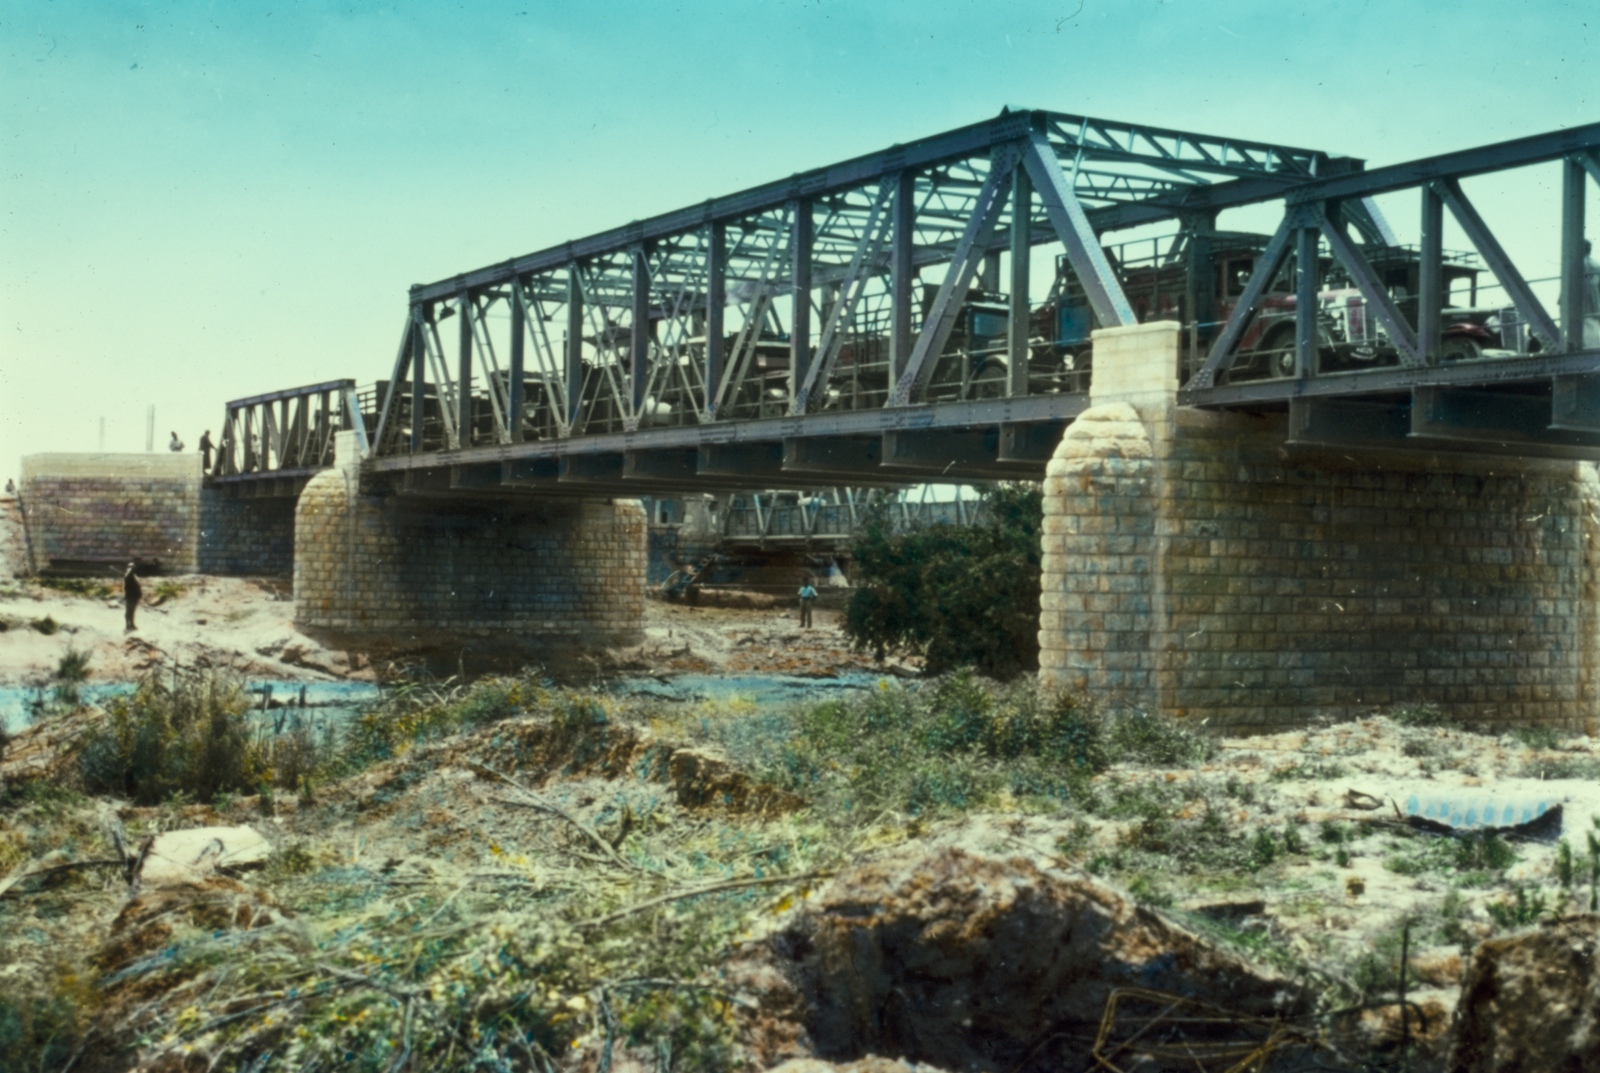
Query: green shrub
{"points": [[1156, 739], [190, 736], [960, 595], [73, 667], [1519, 910], [417, 712], [953, 744]]}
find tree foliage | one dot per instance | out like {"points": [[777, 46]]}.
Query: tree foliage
{"points": [[960, 595]]}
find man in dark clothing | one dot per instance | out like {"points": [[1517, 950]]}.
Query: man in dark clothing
{"points": [[206, 447], [130, 596]]}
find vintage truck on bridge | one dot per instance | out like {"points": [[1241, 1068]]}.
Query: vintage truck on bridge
{"points": [[1155, 277]]}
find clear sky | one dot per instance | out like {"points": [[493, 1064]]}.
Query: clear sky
{"points": [[200, 201]]}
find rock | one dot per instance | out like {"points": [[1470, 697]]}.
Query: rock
{"points": [[976, 962], [1530, 1003], [182, 857]]}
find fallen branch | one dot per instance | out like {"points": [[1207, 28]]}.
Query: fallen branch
{"points": [[715, 888], [12, 881], [534, 801]]}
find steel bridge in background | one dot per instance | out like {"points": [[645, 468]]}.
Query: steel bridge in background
{"points": [[830, 517], [872, 323]]}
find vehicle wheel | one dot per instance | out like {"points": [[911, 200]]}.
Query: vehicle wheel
{"points": [[1278, 351], [1459, 348]]}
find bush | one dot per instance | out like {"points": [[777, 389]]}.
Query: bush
{"points": [[952, 745], [958, 595], [191, 735]]}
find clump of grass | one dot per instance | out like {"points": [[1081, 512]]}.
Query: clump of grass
{"points": [[163, 591], [1421, 715], [951, 745], [1561, 767], [189, 736], [79, 586], [73, 666], [45, 625], [1136, 737], [417, 712], [1541, 736], [184, 735], [1520, 909]]}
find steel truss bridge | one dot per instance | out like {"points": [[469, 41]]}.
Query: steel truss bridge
{"points": [[875, 322]]}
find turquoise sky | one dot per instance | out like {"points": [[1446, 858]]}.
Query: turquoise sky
{"points": [[199, 201]]}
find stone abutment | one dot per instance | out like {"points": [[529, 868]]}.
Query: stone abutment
{"points": [[1198, 564], [472, 583]]}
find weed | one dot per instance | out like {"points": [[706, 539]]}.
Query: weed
{"points": [[1310, 770], [79, 586], [1566, 868], [73, 667], [188, 734], [1263, 849], [1146, 891], [1519, 910], [917, 750], [1077, 839], [1240, 790], [1540, 736], [1485, 851], [46, 625], [166, 590], [1562, 767], [1158, 740], [1421, 715]]}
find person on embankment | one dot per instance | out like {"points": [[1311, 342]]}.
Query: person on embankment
{"points": [[131, 592]]}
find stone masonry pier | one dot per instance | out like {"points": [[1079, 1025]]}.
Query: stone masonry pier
{"points": [[466, 582], [1199, 564]]}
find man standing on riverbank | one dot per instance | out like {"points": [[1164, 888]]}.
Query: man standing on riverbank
{"points": [[808, 596], [131, 591]]}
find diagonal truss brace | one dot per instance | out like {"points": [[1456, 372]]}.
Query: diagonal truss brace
{"points": [[1071, 225], [1267, 268], [958, 279], [548, 366], [874, 235], [1372, 289], [396, 378], [1528, 306]]}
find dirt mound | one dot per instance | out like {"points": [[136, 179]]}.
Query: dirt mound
{"points": [[973, 962], [1530, 1003], [539, 749]]}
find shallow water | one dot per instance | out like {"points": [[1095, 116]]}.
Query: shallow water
{"points": [[333, 700], [763, 690]]}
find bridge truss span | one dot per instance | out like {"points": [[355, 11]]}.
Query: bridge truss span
{"points": [[875, 303], [927, 313]]}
